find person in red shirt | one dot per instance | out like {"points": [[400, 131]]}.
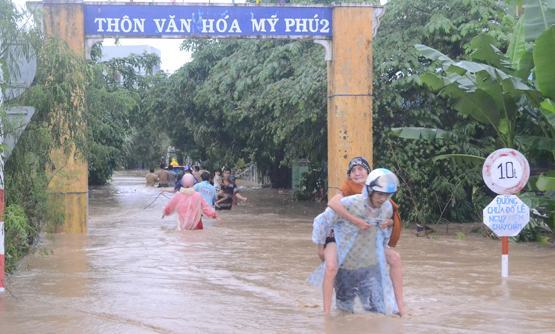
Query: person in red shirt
{"points": [[189, 206], [357, 172]]}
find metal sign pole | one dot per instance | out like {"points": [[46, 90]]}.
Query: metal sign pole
{"points": [[506, 172], [504, 257]]}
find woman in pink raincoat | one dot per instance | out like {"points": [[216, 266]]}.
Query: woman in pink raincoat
{"points": [[189, 206]]}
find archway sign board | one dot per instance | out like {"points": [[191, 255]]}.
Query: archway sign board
{"points": [[345, 31], [208, 21]]}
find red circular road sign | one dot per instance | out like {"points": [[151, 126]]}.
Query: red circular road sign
{"points": [[506, 171]]}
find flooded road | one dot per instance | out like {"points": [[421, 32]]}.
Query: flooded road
{"points": [[132, 273]]}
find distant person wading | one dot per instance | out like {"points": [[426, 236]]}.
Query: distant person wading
{"points": [[228, 193]]}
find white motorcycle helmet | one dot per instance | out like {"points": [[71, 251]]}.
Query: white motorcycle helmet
{"points": [[382, 180]]}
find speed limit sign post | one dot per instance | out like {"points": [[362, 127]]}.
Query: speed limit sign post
{"points": [[506, 172]]}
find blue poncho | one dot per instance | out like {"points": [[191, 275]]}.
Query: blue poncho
{"points": [[363, 270]]}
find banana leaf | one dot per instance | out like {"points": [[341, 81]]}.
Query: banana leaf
{"points": [[517, 44], [525, 65], [544, 51], [434, 82], [539, 15], [485, 51], [538, 143], [472, 159], [546, 183], [548, 110], [433, 54], [419, 133], [480, 106]]}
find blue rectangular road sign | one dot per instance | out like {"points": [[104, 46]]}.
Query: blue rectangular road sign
{"points": [[152, 20]]}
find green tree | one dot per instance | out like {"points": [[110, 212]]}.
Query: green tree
{"points": [[400, 100], [58, 97], [262, 102], [15, 42], [13, 45], [121, 131], [506, 93]]}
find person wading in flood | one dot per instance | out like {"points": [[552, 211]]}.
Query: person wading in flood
{"points": [[207, 190], [217, 181], [358, 171], [164, 177], [189, 206], [151, 178], [361, 255], [228, 193], [196, 173]]}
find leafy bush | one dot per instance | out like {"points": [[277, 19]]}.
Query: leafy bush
{"points": [[58, 98], [18, 234], [313, 184]]}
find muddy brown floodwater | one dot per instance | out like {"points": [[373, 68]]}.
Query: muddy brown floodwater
{"points": [[134, 274]]}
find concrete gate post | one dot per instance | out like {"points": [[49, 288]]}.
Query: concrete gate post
{"points": [[69, 186], [349, 91]]}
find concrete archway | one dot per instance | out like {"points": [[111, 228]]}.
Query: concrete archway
{"points": [[349, 66]]}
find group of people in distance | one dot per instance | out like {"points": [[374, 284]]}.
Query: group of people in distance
{"points": [[355, 237], [196, 193]]}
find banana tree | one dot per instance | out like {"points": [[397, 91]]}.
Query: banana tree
{"points": [[545, 83], [491, 91], [483, 88], [531, 51]]}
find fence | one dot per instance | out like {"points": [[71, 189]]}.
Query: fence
{"points": [[251, 174]]}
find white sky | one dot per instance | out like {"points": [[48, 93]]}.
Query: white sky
{"points": [[171, 57]]}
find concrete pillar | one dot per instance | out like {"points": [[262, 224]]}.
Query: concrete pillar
{"points": [[349, 91], [69, 186]]}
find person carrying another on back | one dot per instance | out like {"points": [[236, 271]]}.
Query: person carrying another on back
{"points": [[207, 190], [361, 261], [357, 171], [189, 206]]}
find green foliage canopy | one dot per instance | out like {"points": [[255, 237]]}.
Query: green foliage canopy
{"points": [[400, 100], [257, 101]]}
